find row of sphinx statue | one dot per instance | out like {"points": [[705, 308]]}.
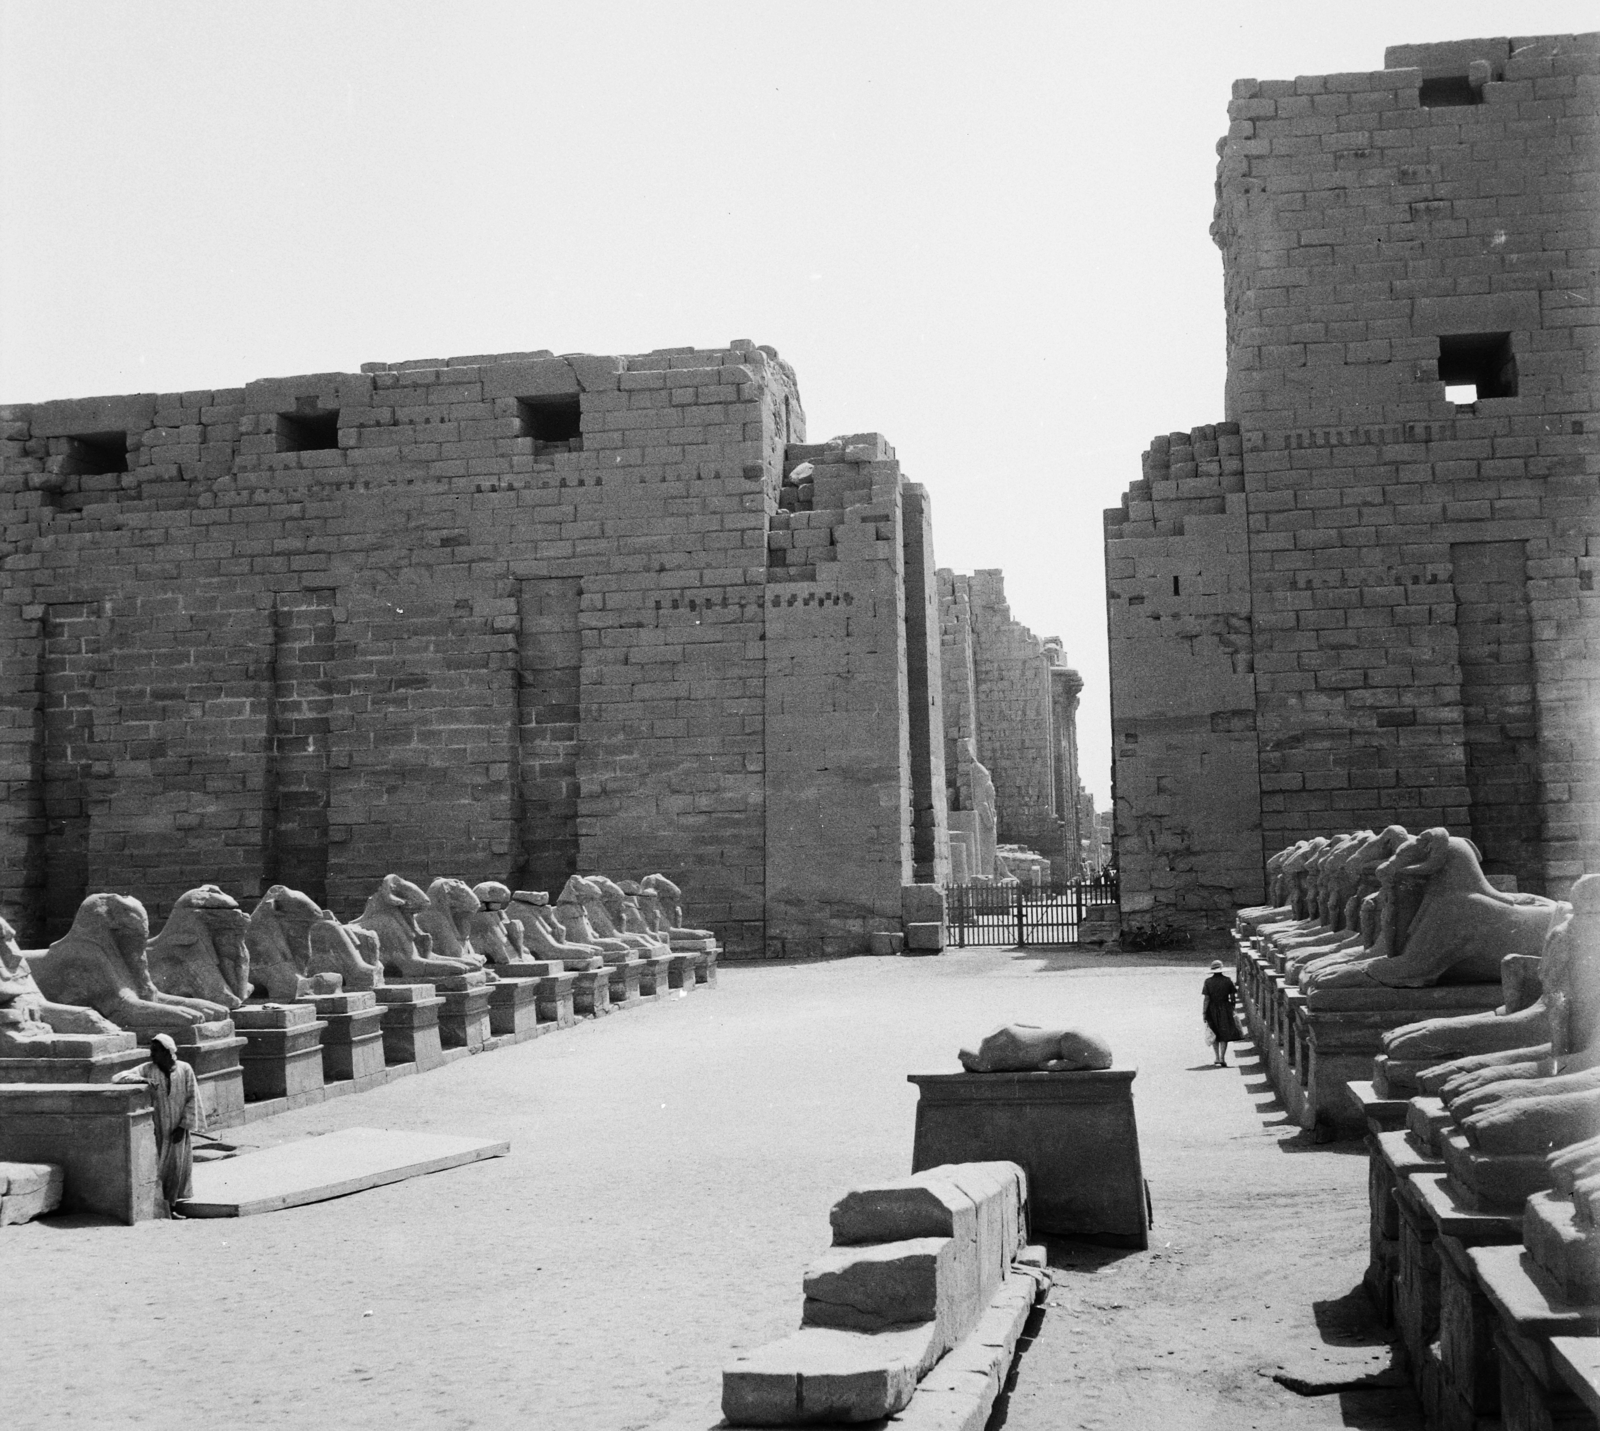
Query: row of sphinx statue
{"points": [[1401, 910], [107, 974], [1392, 908]]}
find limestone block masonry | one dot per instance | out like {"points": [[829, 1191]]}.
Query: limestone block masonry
{"points": [[507, 617], [1368, 595]]}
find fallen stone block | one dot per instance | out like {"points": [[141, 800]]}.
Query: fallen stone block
{"points": [[925, 938], [884, 1285], [29, 1190], [820, 1375]]}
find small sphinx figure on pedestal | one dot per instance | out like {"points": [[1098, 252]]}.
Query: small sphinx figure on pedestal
{"points": [[201, 951], [669, 901], [544, 936], [405, 949], [494, 934]]}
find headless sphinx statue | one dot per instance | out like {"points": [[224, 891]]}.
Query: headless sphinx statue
{"points": [[28, 1020], [100, 963], [1461, 927], [1027, 1048]]}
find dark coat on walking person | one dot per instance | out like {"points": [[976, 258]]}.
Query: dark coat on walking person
{"points": [[1218, 992]]}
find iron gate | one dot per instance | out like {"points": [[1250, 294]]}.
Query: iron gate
{"points": [[1023, 914]]}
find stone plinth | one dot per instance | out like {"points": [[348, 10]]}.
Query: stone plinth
{"points": [[1577, 1360], [705, 968], [464, 1019], [1072, 1133], [1469, 1371], [411, 1024], [1491, 1181], [655, 976], [1380, 1113], [74, 1058], [283, 1050], [1416, 1291], [554, 999], [513, 1007], [1566, 1251], [591, 992], [100, 1134], [1427, 1121], [680, 972], [352, 1041], [213, 1051], [1529, 1311], [531, 968], [1392, 1158], [624, 979]]}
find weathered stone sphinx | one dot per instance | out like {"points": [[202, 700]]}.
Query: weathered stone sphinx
{"points": [[278, 938], [1459, 926], [544, 936], [608, 917], [407, 951], [100, 963], [347, 953], [447, 920], [572, 909], [1360, 889], [1028, 1048], [200, 952], [494, 934], [669, 899], [36, 1018]]}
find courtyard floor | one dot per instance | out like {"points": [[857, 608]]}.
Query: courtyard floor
{"points": [[670, 1176]]}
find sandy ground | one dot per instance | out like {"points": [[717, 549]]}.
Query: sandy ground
{"points": [[670, 1177]]}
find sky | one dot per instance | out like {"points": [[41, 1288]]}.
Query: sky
{"points": [[980, 229]]}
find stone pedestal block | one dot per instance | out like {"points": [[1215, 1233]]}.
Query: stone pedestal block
{"points": [[352, 1041], [591, 992], [1416, 1293], [925, 937], [74, 1058], [513, 1007], [705, 968], [283, 1050], [554, 999], [624, 979], [213, 1051], [411, 1024], [655, 976], [1392, 1158], [464, 1019], [1072, 1133], [1491, 1181], [100, 1135], [1469, 1372], [680, 972], [28, 1190]]}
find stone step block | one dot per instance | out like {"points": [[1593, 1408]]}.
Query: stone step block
{"points": [[886, 1285], [822, 1375]]}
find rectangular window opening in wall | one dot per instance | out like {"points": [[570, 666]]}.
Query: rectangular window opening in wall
{"points": [[314, 430], [95, 454], [1449, 91], [554, 423], [1477, 365]]}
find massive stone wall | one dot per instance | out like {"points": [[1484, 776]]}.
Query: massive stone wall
{"points": [[478, 616], [1419, 615]]}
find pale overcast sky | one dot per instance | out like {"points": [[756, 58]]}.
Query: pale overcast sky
{"points": [[980, 229]]}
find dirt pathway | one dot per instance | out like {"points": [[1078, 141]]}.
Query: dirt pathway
{"points": [[670, 1177]]}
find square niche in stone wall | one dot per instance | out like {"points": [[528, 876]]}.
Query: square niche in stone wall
{"points": [[1477, 365], [554, 423]]}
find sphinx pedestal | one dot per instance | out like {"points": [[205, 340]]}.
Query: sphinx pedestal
{"points": [[352, 1039], [655, 976], [624, 982], [464, 1018], [283, 1050], [1393, 1158], [213, 1051], [680, 972], [591, 992], [74, 1058], [100, 1134], [1073, 1133], [705, 968], [514, 1008], [411, 1025]]}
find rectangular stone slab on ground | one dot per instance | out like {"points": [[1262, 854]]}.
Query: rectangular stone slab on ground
{"points": [[99, 1134], [1074, 1135], [333, 1165]]}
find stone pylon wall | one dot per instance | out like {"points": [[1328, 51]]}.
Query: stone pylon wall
{"points": [[497, 616], [1423, 628]]}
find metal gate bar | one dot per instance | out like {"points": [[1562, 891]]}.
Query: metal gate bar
{"points": [[1024, 915]]}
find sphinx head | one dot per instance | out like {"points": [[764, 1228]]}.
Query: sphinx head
{"points": [[535, 897], [454, 896], [402, 895], [491, 894], [118, 920]]}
